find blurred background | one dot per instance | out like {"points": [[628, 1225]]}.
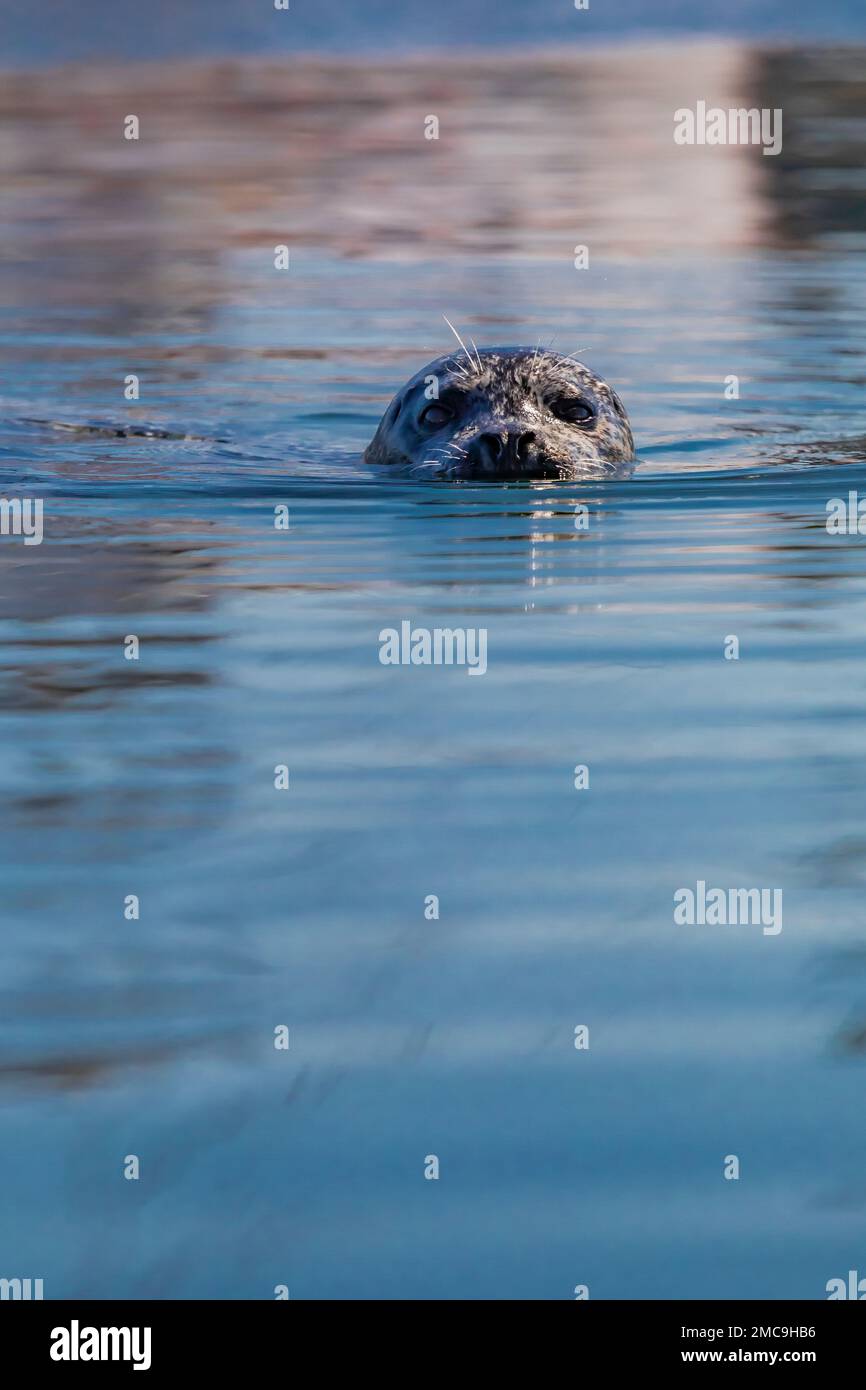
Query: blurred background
{"points": [[259, 387]]}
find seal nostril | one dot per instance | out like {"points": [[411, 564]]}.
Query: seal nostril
{"points": [[524, 444], [491, 447]]}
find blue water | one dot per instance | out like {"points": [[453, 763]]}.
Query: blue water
{"points": [[305, 908], [100, 29]]}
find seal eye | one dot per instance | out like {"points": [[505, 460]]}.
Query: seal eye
{"points": [[436, 415], [572, 410]]}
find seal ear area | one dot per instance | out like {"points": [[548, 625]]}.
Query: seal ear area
{"points": [[617, 405]]}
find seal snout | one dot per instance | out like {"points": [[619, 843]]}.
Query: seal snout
{"points": [[506, 448]]}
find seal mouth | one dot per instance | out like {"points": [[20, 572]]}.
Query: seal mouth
{"points": [[513, 471]]}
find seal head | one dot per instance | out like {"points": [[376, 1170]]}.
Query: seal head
{"points": [[505, 413]]}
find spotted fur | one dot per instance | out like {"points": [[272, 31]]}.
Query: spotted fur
{"points": [[504, 422]]}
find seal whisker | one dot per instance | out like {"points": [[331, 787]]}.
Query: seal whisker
{"points": [[460, 340], [459, 367]]}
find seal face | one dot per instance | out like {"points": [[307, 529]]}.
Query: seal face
{"points": [[515, 413]]}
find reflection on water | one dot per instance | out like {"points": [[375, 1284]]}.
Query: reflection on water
{"points": [[259, 647]]}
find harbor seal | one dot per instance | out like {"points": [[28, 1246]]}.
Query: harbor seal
{"points": [[505, 413]]}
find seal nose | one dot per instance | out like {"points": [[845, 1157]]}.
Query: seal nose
{"points": [[509, 447]]}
